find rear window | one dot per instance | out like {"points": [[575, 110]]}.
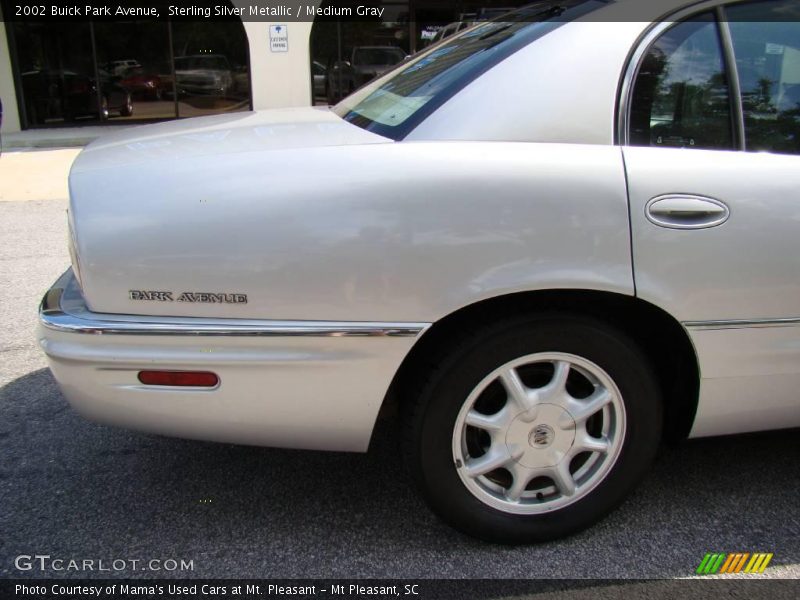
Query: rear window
{"points": [[396, 103]]}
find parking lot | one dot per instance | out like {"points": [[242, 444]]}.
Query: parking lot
{"points": [[76, 490]]}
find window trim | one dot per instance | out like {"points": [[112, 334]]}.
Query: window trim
{"points": [[650, 36], [734, 84]]}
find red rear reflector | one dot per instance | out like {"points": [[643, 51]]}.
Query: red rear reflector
{"points": [[179, 378]]}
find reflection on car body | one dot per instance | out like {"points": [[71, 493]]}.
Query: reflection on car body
{"points": [[547, 243]]}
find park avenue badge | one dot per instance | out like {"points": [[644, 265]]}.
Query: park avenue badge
{"points": [[201, 297]]}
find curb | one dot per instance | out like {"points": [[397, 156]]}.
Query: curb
{"points": [[11, 145], [64, 137]]}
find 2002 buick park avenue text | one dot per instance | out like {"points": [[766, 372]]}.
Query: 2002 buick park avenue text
{"points": [[544, 275]]}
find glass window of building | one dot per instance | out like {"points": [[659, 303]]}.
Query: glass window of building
{"points": [[129, 70]]}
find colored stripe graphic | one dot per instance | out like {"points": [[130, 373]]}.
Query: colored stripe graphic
{"points": [[718, 563], [701, 570], [741, 562], [735, 562], [758, 563], [710, 564], [726, 566]]}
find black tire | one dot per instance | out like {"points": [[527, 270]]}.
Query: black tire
{"points": [[104, 111], [126, 110], [430, 421]]}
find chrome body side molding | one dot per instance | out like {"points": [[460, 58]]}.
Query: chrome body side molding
{"points": [[741, 324], [63, 309]]}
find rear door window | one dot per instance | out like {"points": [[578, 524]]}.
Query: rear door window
{"points": [[681, 96], [766, 45]]}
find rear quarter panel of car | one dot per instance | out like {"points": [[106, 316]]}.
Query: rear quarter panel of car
{"points": [[384, 232]]}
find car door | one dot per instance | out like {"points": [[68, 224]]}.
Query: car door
{"points": [[711, 133]]}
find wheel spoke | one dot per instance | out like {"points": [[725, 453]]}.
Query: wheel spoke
{"points": [[581, 410], [587, 443], [558, 384], [495, 422], [517, 392], [563, 478], [493, 459], [522, 478]]}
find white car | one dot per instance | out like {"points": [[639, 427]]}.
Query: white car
{"points": [[203, 74], [119, 67], [549, 243]]}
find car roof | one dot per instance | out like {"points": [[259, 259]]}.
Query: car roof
{"points": [[594, 49]]}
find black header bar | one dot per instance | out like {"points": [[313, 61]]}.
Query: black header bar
{"points": [[288, 11]]}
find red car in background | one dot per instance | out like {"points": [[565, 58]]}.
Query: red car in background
{"points": [[142, 84]]}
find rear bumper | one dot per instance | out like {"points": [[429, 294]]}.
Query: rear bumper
{"points": [[313, 384]]}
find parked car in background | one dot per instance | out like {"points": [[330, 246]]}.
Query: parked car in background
{"points": [[204, 74], [364, 64], [318, 77], [65, 94], [546, 244], [142, 84], [119, 67], [241, 81]]}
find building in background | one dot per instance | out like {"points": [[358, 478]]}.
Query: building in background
{"points": [[132, 71]]}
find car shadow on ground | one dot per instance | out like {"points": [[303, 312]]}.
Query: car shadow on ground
{"points": [[74, 488]]}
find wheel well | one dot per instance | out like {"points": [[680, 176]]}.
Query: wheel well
{"points": [[663, 339]]}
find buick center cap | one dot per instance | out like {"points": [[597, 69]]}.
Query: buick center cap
{"points": [[541, 436], [544, 441]]}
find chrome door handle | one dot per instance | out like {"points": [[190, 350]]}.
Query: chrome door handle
{"points": [[684, 211]]}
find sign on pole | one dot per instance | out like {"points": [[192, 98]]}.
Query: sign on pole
{"points": [[278, 38]]}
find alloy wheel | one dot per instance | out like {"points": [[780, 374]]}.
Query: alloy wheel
{"points": [[539, 433]]}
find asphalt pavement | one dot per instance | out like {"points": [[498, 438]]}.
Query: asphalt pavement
{"points": [[72, 489]]}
